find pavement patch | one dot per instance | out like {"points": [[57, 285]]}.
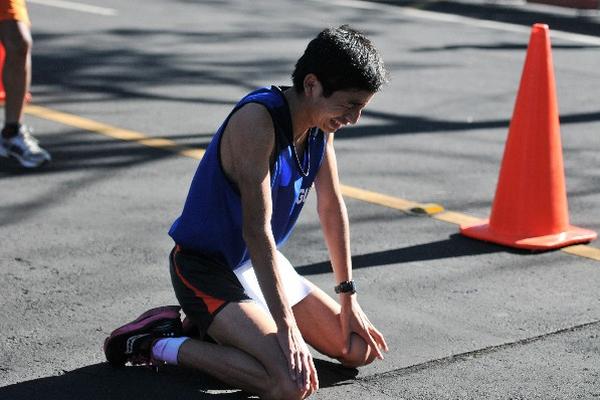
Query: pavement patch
{"points": [[470, 354]]}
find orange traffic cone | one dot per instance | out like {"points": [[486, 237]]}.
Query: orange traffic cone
{"points": [[530, 207], [2, 92]]}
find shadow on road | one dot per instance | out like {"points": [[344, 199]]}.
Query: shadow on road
{"points": [[498, 46], [455, 246], [74, 149], [85, 159], [114, 72], [400, 124], [101, 382]]}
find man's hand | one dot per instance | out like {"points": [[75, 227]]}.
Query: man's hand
{"points": [[301, 366], [354, 320]]}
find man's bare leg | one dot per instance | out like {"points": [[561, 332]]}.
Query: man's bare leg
{"points": [[16, 140], [317, 316], [16, 38], [248, 355]]}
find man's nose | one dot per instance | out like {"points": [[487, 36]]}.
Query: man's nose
{"points": [[353, 117]]}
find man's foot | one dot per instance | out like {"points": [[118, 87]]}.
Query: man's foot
{"points": [[133, 341], [190, 330], [24, 148]]}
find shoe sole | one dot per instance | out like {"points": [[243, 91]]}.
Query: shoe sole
{"points": [[144, 322], [24, 163], [29, 164]]}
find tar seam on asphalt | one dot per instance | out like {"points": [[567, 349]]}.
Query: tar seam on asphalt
{"points": [[472, 354]]}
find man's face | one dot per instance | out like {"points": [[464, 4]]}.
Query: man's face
{"points": [[343, 107]]}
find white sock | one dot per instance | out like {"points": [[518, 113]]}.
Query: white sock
{"points": [[167, 349]]}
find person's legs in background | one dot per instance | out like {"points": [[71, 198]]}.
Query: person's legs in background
{"points": [[15, 36]]}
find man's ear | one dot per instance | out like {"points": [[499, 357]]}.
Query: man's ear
{"points": [[312, 86]]}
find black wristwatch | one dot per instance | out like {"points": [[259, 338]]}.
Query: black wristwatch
{"points": [[346, 287]]}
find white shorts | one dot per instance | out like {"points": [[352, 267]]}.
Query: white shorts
{"points": [[296, 287]]}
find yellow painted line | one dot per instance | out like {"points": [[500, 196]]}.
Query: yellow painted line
{"points": [[431, 209], [456, 218], [583, 250], [112, 131], [390, 201], [197, 153]]}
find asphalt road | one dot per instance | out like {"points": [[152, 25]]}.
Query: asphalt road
{"points": [[84, 240]]}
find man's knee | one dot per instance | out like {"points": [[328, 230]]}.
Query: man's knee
{"points": [[360, 354], [357, 359]]}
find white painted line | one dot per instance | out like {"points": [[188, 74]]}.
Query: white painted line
{"points": [[363, 5], [575, 37], [458, 19], [70, 5]]}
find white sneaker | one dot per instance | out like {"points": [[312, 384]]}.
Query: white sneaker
{"points": [[25, 148]]}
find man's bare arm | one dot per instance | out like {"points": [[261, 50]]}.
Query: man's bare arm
{"points": [[246, 151]]}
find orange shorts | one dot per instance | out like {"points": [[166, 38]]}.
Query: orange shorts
{"points": [[14, 10]]}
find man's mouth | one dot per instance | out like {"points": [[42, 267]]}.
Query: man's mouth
{"points": [[337, 124]]}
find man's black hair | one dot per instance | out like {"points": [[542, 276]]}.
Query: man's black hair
{"points": [[342, 59]]}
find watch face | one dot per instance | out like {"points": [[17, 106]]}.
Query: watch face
{"points": [[350, 288], [346, 287]]}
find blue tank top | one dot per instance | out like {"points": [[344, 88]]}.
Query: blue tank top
{"points": [[211, 220]]}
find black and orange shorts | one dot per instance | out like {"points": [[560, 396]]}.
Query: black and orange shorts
{"points": [[204, 286]]}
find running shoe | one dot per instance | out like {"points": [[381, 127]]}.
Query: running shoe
{"points": [[24, 148], [132, 342]]}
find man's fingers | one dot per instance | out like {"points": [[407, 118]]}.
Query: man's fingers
{"points": [[312, 381], [380, 339], [306, 374], [314, 377], [373, 344], [346, 335], [299, 371], [375, 334], [299, 362], [292, 365], [373, 337], [292, 359]]}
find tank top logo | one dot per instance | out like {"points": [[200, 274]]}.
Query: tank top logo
{"points": [[302, 195]]}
